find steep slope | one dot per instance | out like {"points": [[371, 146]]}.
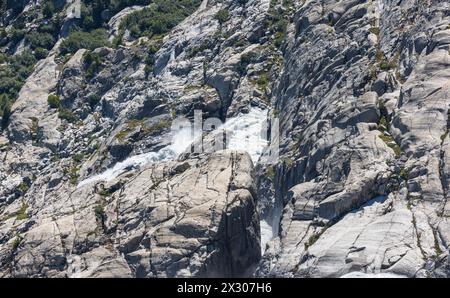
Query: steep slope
{"points": [[89, 189], [363, 103], [93, 186]]}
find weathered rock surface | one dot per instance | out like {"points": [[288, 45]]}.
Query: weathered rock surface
{"points": [[174, 219], [364, 123], [361, 90]]}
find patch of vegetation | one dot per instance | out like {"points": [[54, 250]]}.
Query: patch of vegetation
{"points": [[48, 10], [275, 112], [84, 40], [375, 30], [72, 172], [198, 49], [277, 23], [95, 13], [53, 101], [16, 243], [390, 142], [263, 81], [386, 64], [39, 40], [289, 162], [106, 192], [22, 213], [13, 73], [159, 18], [99, 211], [314, 237], [5, 110], [117, 40], [23, 187], [129, 128], [100, 215], [93, 63], [383, 124], [246, 60], [78, 158], [444, 136], [404, 174], [156, 128], [66, 114], [34, 129], [222, 16], [145, 130], [437, 247], [153, 47], [270, 172], [93, 100]]}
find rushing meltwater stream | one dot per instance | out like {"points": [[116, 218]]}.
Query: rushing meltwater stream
{"points": [[247, 132], [246, 135], [180, 142]]}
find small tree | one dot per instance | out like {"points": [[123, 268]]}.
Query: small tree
{"points": [[5, 117], [49, 9], [222, 16], [53, 101]]}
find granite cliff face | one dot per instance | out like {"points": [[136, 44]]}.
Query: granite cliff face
{"points": [[95, 183]]}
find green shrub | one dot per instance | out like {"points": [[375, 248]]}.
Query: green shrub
{"points": [[100, 213], [16, 243], [16, 35], [92, 12], [93, 100], [246, 59], [93, 63], [159, 18], [13, 73], [49, 9], [22, 213], [404, 174], [84, 40], [279, 38], [40, 53], [54, 101], [156, 128], [73, 174], [375, 30], [270, 172], [3, 58], [222, 16], [66, 114], [384, 65], [263, 81], [78, 158], [4, 102], [6, 114], [40, 40]]}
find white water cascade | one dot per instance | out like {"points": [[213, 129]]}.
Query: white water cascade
{"points": [[246, 136], [181, 140]]}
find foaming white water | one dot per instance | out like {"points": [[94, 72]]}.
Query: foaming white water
{"points": [[266, 234], [180, 141], [247, 132], [372, 275]]}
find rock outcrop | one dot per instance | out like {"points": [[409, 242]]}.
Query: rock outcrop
{"points": [[176, 219], [103, 185]]}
